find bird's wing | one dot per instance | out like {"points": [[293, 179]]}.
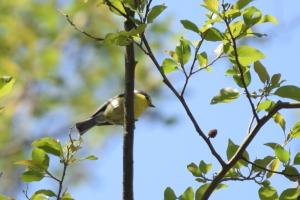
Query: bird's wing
{"points": [[104, 106]]}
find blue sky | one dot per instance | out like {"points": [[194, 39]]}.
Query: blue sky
{"points": [[162, 152]]}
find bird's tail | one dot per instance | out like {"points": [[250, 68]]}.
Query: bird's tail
{"points": [[85, 125]]}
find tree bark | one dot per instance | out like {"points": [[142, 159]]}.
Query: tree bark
{"points": [[128, 141]]}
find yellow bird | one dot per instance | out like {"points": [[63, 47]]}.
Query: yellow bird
{"points": [[112, 111]]}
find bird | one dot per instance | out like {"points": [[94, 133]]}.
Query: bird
{"points": [[112, 111]]}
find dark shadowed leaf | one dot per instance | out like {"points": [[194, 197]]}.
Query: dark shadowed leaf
{"points": [[188, 194], [225, 95], [290, 194], [289, 91], [261, 72], [169, 194], [155, 12], [267, 193], [30, 176], [187, 24], [291, 173], [213, 34]]}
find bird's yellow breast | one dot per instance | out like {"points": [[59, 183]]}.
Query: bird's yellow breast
{"points": [[114, 112]]}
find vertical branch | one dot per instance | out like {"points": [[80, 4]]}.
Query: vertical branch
{"points": [[128, 141]]}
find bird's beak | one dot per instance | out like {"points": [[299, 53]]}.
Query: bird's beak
{"points": [[151, 105]]}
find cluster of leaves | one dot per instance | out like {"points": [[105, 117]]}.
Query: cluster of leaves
{"points": [[146, 17], [237, 20], [226, 25], [38, 167]]}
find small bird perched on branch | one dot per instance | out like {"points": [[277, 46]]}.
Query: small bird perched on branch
{"points": [[112, 111]]}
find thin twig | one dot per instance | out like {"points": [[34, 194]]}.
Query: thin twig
{"points": [[209, 64], [66, 163], [52, 176], [238, 155], [268, 170], [236, 56], [147, 11], [81, 31], [252, 119], [182, 101]]}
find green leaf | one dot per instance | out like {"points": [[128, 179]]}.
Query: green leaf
{"points": [[251, 16], [49, 145], [282, 154], [273, 167], [272, 145], [275, 79], [155, 12], [232, 173], [39, 197], [194, 169], [204, 168], [212, 5], [169, 194], [267, 193], [200, 191], [48, 193], [91, 157], [40, 158], [225, 95], [290, 194], [169, 65], [240, 4], [236, 28], [291, 173], [232, 13], [201, 180], [265, 105], [295, 131], [6, 84], [221, 186], [297, 159], [231, 150], [183, 51], [247, 55], [213, 34], [187, 24], [188, 194], [279, 119], [67, 196], [268, 18], [202, 59], [261, 72], [121, 38], [262, 163], [238, 79], [27, 163], [138, 30], [289, 91], [30, 176], [116, 7]]}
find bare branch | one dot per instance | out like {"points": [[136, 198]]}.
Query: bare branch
{"points": [[268, 170], [81, 31], [239, 153], [183, 102]]}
